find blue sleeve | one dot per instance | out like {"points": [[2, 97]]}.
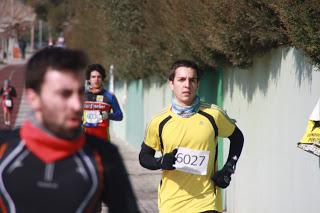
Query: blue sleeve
{"points": [[116, 113]]}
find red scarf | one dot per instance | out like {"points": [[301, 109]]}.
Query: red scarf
{"points": [[48, 147]]}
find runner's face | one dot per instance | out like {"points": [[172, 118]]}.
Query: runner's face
{"points": [[184, 85], [60, 103], [95, 79]]}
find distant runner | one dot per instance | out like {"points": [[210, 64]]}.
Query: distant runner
{"points": [[7, 93], [100, 106]]}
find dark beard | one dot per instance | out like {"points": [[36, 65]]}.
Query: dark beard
{"points": [[55, 130], [62, 132]]}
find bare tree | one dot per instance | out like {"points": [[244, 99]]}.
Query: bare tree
{"points": [[14, 15]]}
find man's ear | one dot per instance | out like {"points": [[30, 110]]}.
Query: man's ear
{"points": [[170, 83], [33, 99]]}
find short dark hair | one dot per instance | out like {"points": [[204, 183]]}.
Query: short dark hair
{"points": [[96, 67], [57, 58], [184, 63]]}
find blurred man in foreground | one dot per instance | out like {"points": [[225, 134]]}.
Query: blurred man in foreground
{"points": [[49, 165]]}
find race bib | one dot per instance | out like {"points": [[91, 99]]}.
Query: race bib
{"points": [[8, 103], [192, 161], [99, 98], [93, 117]]}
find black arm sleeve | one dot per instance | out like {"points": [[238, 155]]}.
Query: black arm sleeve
{"points": [[13, 92], [3, 134], [147, 159], [236, 143], [7, 134], [118, 193]]}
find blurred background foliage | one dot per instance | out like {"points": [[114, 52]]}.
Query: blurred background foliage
{"points": [[143, 37]]}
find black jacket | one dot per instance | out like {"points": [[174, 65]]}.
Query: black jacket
{"points": [[76, 183]]}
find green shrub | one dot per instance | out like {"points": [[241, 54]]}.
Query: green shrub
{"points": [[142, 38]]}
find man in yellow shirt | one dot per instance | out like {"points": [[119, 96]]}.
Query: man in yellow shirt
{"points": [[186, 134]]}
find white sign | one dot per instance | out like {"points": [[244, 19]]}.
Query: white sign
{"points": [[8, 103], [192, 161], [93, 116], [315, 115]]}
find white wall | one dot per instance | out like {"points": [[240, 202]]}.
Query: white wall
{"points": [[157, 96], [118, 128], [271, 102]]}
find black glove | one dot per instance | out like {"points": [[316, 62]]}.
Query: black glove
{"points": [[222, 178], [168, 160]]}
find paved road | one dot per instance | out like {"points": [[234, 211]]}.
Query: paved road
{"points": [[145, 182]]}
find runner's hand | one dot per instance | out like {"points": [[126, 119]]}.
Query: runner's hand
{"points": [[222, 178], [168, 160], [104, 115]]}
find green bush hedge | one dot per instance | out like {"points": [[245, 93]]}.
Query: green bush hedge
{"points": [[143, 37]]}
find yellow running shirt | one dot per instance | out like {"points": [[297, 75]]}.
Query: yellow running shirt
{"points": [[186, 191]]}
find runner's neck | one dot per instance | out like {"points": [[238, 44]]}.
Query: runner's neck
{"points": [[96, 90]]}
